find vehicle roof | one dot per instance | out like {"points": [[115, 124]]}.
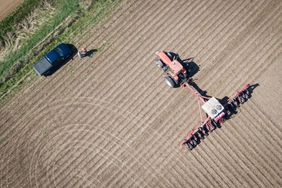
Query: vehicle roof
{"points": [[62, 50]]}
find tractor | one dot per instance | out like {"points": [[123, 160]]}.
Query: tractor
{"points": [[177, 70]]}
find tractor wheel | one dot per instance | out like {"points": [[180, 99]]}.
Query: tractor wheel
{"points": [[160, 64], [170, 82], [235, 102], [245, 95], [189, 145], [241, 99]]}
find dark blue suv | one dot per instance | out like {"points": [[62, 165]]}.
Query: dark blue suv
{"points": [[53, 59]]}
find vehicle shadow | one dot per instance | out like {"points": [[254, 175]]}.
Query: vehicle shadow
{"points": [[53, 70]]}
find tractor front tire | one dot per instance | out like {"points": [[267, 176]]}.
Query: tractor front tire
{"points": [[160, 64]]}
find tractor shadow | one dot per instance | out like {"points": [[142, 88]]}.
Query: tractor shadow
{"points": [[191, 66], [53, 70]]}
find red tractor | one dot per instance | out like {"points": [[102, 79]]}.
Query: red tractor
{"points": [[177, 70], [179, 75]]}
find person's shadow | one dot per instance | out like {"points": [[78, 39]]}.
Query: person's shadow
{"points": [[91, 52]]}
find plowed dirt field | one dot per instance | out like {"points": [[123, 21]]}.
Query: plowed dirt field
{"points": [[8, 6], [111, 121]]}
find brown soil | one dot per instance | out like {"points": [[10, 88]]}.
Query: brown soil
{"points": [[110, 120], [8, 6]]}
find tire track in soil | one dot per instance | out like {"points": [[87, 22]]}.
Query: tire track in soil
{"points": [[163, 133]]}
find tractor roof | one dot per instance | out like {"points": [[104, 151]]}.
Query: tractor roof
{"points": [[174, 65]]}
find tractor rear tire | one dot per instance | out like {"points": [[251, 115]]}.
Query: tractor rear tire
{"points": [[170, 82]]}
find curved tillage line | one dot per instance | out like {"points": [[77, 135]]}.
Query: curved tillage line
{"points": [[94, 102], [61, 143], [19, 145], [134, 104], [48, 171], [110, 123]]}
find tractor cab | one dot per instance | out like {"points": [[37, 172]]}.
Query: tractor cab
{"points": [[172, 65]]}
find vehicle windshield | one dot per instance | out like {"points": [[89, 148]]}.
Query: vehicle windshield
{"points": [[60, 52]]}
